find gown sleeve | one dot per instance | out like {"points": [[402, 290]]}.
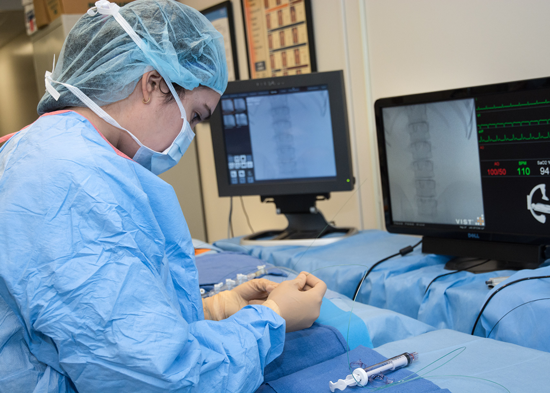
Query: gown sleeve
{"points": [[116, 331], [85, 270]]}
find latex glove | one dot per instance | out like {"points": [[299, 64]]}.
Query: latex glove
{"points": [[298, 301], [227, 303]]}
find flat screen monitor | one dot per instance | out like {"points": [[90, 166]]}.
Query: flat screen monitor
{"points": [[285, 139], [283, 136], [469, 168]]}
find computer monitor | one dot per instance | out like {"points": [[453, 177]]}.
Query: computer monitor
{"points": [[285, 139], [467, 169]]}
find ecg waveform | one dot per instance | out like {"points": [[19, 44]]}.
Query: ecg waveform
{"points": [[514, 138], [514, 118], [503, 106], [508, 124]]}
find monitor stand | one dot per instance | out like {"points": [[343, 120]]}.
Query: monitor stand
{"points": [[469, 254], [306, 224]]}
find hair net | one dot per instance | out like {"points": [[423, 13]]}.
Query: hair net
{"points": [[102, 60]]}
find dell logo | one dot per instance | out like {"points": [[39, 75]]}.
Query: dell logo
{"points": [[473, 236], [269, 83]]}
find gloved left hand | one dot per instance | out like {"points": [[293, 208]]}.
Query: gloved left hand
{"points": [[227, 303]]}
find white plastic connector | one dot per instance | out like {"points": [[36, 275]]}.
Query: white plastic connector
{"points": [[218, 287], [241, 279], [104, 7], [261, 270], [229, 284]]}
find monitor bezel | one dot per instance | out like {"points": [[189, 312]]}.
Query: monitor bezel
{"points": [[440, 96], [344, 180]]}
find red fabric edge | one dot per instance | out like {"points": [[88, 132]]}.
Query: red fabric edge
{"points": [[118, 152], [5, 138]]}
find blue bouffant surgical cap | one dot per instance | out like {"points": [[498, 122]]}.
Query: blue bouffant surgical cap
{"points": [[102, 60]]}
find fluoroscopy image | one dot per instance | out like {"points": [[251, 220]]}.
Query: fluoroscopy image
{"points": [[229, 121], [227, 106], [241, 119], [433, 163], [291, 135]]}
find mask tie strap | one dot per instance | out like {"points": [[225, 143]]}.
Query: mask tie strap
{"points": [[104, 7], [90, 104], [48, 81]]}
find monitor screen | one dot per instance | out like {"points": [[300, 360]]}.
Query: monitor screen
{"points": [[469, 163], [284, 138], [278, 134]]}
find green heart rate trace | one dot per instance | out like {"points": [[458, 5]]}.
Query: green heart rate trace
{"points": [[514, 138], [519, 104], [509, 124]]}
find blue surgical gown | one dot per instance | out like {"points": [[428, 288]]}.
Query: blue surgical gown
{"points": [[98, 285]]}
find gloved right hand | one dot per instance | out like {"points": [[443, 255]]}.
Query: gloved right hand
{"points": [[298, 301]]}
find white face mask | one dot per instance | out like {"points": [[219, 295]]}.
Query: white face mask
{"points": [[161, 162], [156, 162]]}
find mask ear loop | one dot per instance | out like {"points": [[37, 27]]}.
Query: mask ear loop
{"points": [[105, 7], [85, 99]]}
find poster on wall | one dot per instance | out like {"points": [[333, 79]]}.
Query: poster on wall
{"points": [[221, 17], [279, 37]]}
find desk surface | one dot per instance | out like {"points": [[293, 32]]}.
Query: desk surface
{"points": [[399, 284]]}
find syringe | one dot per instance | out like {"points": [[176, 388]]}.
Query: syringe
{"points": [[361, 375]]}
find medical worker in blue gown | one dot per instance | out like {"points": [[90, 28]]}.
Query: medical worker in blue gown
{"points": [[98, 285]]}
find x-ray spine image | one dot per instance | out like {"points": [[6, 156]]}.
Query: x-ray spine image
{"points": [[433, 162], [291, 135], [284, 140]]}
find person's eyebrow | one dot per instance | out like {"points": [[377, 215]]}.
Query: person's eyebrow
{"points": [[209, 112]]}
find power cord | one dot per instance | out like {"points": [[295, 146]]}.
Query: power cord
{"points": [[229, 222], [457, 271], [402, 252], [523, 304], [497, 291], [246, 215]]}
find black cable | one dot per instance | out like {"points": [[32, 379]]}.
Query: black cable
{"points": [[523, 304], [246, 215], [497, 291], [230, 223], [456, 271], [402, 252]]}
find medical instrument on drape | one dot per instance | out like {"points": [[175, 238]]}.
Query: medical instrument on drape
{"points": [[494, 281], [362, 375]]}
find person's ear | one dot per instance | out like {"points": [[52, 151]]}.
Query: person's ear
{"points": [[149, 83]]}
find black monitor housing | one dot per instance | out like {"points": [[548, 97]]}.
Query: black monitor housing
{"points": [[285, 139], [467, 169]]}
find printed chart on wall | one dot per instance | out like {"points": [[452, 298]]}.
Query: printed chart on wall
{"points": [[279, 39]]}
